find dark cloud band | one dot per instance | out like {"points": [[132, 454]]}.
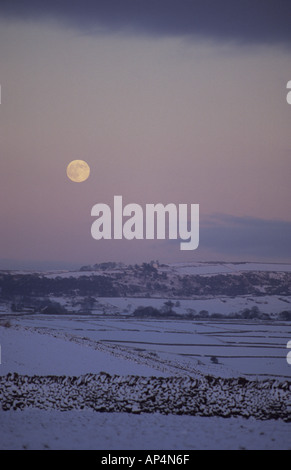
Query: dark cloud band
{"points": [[229, 235], [244, 21]]}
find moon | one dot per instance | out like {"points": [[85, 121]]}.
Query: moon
{"points": [[78, 171]]}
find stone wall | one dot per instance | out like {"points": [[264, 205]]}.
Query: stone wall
{"points": [[208, 396]]}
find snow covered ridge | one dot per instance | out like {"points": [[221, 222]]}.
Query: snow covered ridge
{"points": [[208, 396], [81, 291], [222, 267]]}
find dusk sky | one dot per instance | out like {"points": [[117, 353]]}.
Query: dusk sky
{"points": [[168, 102]]}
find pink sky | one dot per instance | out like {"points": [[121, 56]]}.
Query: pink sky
{"points": [[160, 119]]}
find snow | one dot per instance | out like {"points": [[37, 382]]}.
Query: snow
{"points": [[75, 345], [270, 304], [229, 268], [30, 353], [38, 430], [139, 346], [181, 268], [121, 344]]}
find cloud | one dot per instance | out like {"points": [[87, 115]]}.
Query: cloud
{"points": [[247, 21], [247, 236]]}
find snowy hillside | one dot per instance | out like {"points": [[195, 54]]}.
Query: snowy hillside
{"points": [[196, 290]]}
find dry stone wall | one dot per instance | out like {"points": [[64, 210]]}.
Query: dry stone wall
{"points": [[208, 396]]}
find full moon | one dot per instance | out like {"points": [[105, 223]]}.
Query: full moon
{"points": [[78, 171]]}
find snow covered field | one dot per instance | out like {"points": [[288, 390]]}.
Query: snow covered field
{"points": [[111, 339], [46, 345], [35, 429], [223, 305], [143, 346]]}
